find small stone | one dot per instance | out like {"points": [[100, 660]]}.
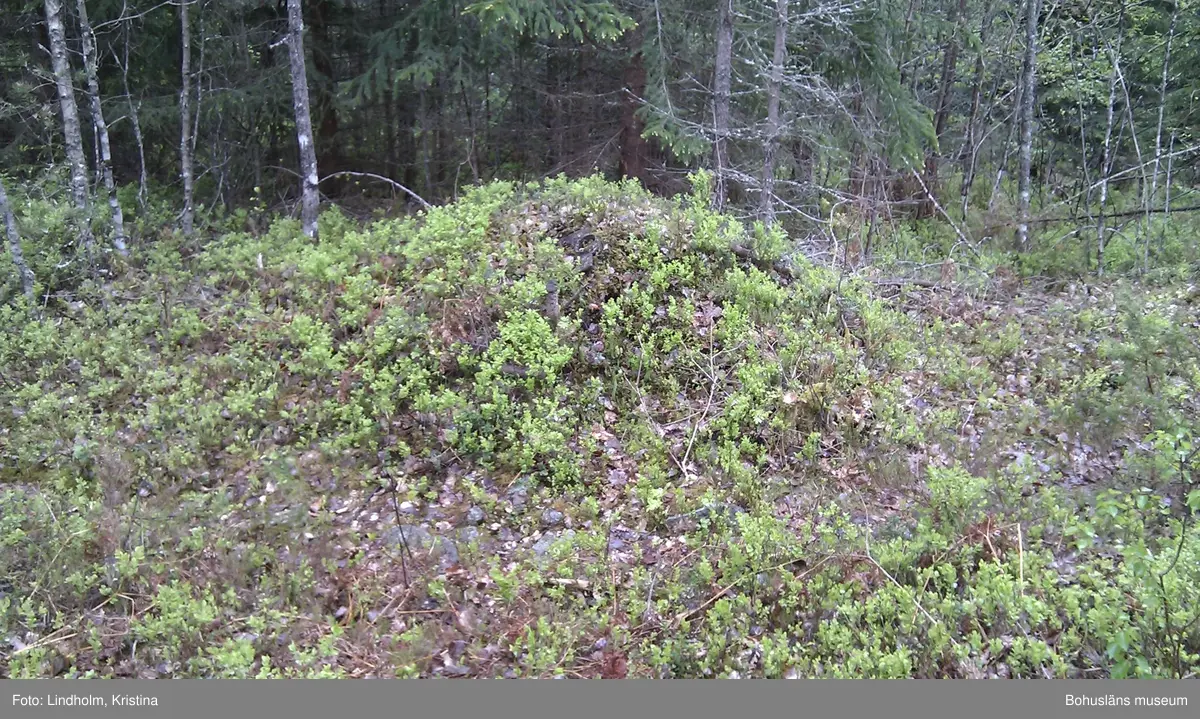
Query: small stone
{"points": [[548, 540], [466, 619], [408, 508], [446, 552], [475, 515], [552, 517], [414, 537], [518, 493]]}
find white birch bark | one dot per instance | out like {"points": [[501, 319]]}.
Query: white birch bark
{"points": [[24, 274], [1106, 158], [1158, 131], [143, 180], [185, 123], [1028, 100], [93, 95], [72, 132], [309, 196]]}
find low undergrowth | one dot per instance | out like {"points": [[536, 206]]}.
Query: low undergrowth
{"points": [[569, 429]]}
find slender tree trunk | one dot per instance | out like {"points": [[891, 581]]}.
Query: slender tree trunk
{"points": [[1158, 131], [472, 157], [906, 72], [198, 74], [72, 132], [551, 114], [1106, 158], [942, 113], [14, 246], [1167, 187], [969, 148], [722, 88], [389, 125], [309, 197], [1142, 165], [185, 118], [489, 156], [139, 141], [1085, 197], [970, 154], [1005, 152], [1028, 99], [774, 122], [440, 135], [633, 145], [324, 92], [93, 92], [424, 146]]}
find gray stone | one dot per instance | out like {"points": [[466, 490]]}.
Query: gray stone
{"points": [[420, 539], [475, 515], [446, 553], [518, 493], [549, 539], [691, 520], [413, 536], [552, 517]]}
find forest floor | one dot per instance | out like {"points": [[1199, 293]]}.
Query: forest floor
{"points": [[577, 431]]}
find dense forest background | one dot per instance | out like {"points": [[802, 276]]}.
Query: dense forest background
{"points": [[836, 117]]}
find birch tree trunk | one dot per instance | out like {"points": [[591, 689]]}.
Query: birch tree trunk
{"points": [[774, 123], [93, 94], [185, 122], [1167, 179], [14, 246], [1106, 158], [722, 84], [309, 197], [143, 180], [72, 132], [1028, 100], [1158, 132]]}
